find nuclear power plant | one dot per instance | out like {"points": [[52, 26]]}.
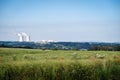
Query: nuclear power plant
{"points": [[20, 37], [23, 37]]}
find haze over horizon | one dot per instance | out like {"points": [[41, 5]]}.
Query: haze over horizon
{"points": [[61, 20]]}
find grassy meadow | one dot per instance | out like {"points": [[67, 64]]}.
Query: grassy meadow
{"points": [[35, 64]]}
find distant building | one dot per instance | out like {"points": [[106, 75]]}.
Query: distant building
{"points": [[83, 49], [23, 37]]}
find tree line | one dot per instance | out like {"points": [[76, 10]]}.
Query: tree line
{"points": [[63, 45]]}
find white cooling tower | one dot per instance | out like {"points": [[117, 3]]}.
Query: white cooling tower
{"points": [[20, 37], [27, 37]]}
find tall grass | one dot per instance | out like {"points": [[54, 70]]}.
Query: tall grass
{"points": [[58, 70], [20, 64]]}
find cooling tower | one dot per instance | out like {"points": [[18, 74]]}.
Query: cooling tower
{"points": [[20, 37], [27, 37]]}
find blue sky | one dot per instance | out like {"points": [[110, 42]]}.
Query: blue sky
{"points": [[61, 20]]}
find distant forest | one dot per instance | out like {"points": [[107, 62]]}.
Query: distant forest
{"points": [[96, 46]]}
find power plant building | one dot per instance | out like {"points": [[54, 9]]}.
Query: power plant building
{"points": [[23, 37]]}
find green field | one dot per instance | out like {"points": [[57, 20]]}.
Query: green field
{"points": [[35, 64]]}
